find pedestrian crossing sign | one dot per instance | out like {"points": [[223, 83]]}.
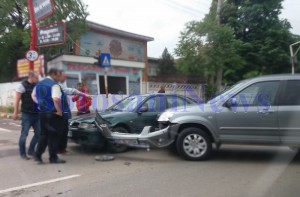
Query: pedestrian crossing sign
{"points": [[105, 60]]}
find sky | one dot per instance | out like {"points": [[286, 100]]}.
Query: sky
{"points": [[163, 20]]}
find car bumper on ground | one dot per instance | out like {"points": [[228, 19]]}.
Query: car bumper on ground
{"points": [[146, 139]]}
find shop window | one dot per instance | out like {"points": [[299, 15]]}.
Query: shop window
{"points": [[116, 85], [91, 82], [72, 80]]}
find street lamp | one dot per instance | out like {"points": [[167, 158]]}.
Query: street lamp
{"points": [[293, 55]]}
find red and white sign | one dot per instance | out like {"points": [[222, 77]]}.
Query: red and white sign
{"points": [[31, 55]]}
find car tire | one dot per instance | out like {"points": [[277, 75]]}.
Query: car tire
{"points": [[194, 144], [117, 148]]}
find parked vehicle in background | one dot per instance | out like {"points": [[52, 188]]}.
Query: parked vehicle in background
{"points": [[263, 110], [129, 115]]}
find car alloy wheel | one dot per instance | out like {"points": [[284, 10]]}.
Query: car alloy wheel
{"points": [[194, 144]]}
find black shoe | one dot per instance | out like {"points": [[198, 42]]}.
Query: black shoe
{"points": [[38, 159], [57, 161], [24, 157]]}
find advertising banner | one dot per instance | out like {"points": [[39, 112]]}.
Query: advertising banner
{"points": [[23, 66]]}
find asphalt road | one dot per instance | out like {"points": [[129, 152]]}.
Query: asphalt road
{"points": [[233, 171]]}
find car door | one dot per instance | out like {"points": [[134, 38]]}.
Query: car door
{"points": [[289, 113], [155, 105], [252, 116]]}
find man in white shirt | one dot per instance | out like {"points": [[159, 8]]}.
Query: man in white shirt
{"points": [[68, 91]]}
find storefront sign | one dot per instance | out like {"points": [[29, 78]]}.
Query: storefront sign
{"points": [[42, 9], [115, 70], [23, 66], [51, 35]]}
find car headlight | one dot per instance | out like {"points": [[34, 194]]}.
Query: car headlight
{"points": [[164, 117], [87, 125]]}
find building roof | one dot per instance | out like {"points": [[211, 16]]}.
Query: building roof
{"points": [[118, 32]]}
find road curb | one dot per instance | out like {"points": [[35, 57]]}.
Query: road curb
{"points": [[8, 115]]}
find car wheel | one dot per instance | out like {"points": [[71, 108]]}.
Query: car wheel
{"points": [[117, 148], [194, 144]]}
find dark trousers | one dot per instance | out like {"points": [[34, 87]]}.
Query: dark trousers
{"points": [[51, 134], [64, 138]]}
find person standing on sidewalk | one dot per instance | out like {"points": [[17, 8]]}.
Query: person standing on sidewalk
{"points": [[29, 117], [82, 103]]}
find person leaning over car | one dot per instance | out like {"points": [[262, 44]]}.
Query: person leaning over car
{"points": [[68, 91], [30, 118]]}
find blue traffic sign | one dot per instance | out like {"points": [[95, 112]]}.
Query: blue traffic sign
{"points": [[105, 60]]}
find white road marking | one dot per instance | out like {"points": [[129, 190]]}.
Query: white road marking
{"points": [[39, 183], [5, 130]]}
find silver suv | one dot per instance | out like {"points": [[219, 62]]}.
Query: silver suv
{"points": [[264, 110]]}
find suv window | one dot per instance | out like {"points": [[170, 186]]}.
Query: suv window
{"points": [[291, 94], [258, 94]]}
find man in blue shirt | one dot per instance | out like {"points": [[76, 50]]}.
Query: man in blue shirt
{"points": [[54, 108]]}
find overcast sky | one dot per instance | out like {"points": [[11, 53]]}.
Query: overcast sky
{"points": [[164, 19]]}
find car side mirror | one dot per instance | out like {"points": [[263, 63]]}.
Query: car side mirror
{"points": [[231, 102], [144, 108]]}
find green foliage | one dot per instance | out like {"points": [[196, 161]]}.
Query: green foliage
{"points": [[265, 37], [7, 109], [206, 46], [166, 64], [210, 91], [15, 30], [250, 41]]}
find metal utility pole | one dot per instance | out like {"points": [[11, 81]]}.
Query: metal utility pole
{"points": [[33, 31], [220, 67], [293, 55]]}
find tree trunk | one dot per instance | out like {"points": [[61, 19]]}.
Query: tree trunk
{"points": [[219, 78]]}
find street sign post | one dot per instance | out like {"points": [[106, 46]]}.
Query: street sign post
{"points": [[105, 63], [38, 10]]}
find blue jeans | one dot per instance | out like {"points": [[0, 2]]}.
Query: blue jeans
{"points": [[28, 121]]}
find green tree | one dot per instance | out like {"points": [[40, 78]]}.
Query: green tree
{"points": [[166, 64], [15, 30], [266, 37], [250, 40], [209, 48]]}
